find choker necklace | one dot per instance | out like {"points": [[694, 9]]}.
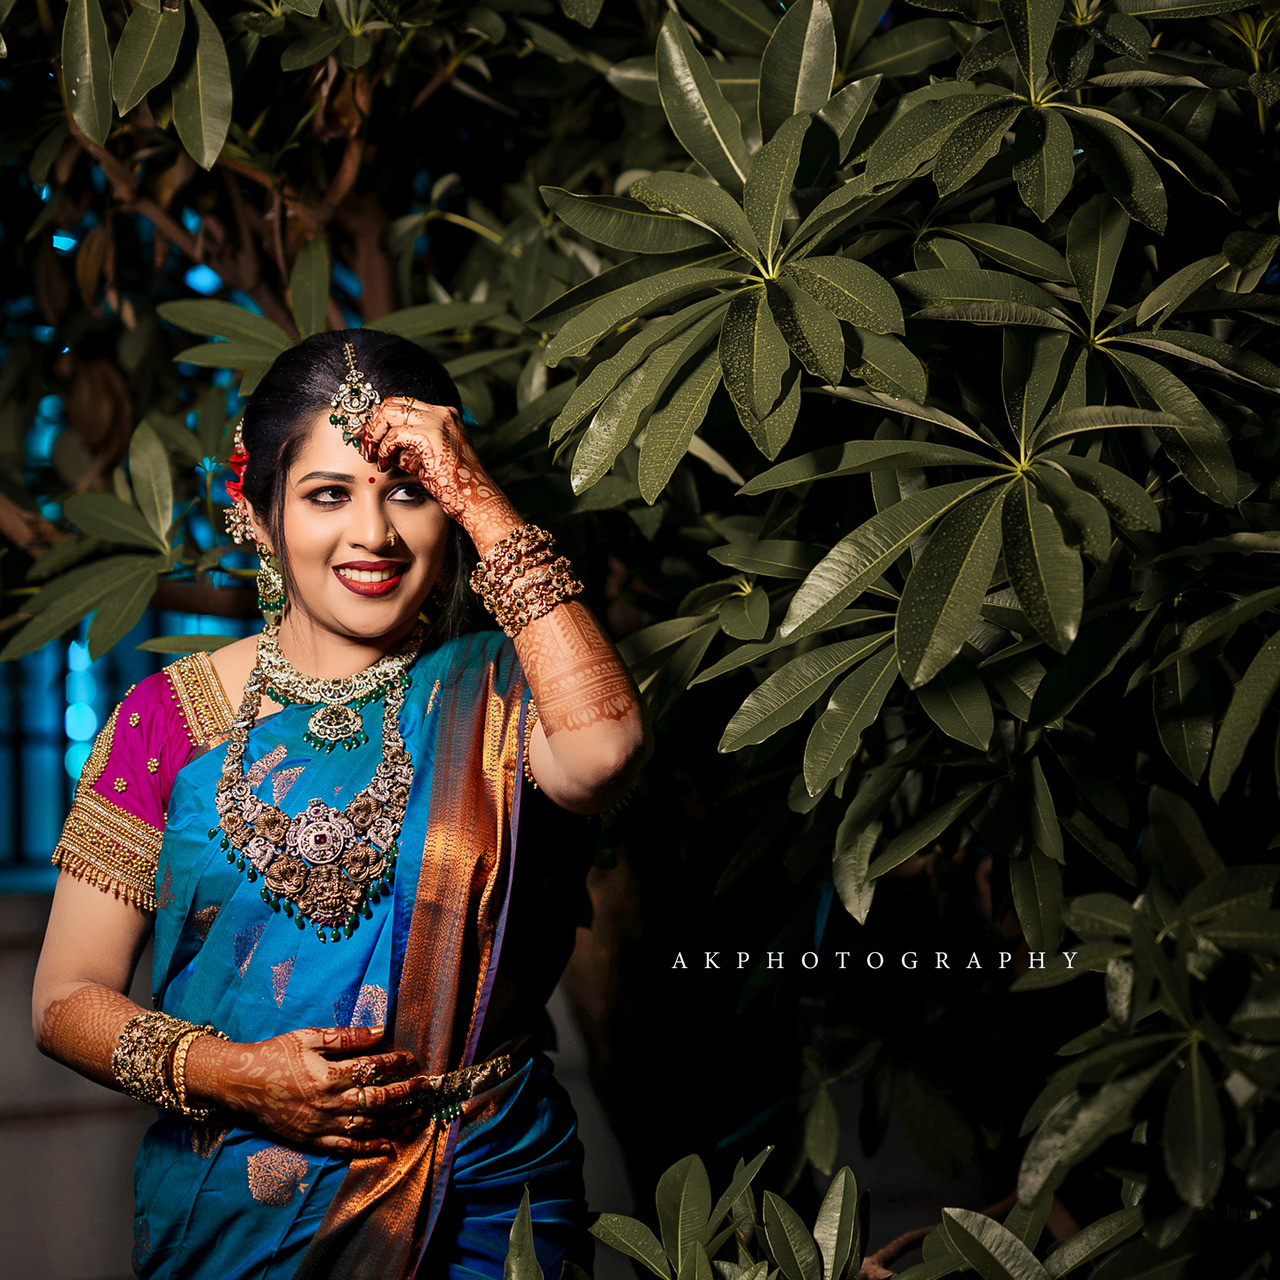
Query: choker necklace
{"points": [[324, 866], [337, 720]]}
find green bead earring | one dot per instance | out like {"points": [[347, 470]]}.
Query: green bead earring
{"points": [[271, 598]]}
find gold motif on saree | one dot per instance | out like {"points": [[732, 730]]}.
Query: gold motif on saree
{"points": [[275, 1175], [280, 975]]}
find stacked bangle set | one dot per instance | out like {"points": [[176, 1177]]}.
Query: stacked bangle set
{"points": [[520, 579], [150, 1061]]}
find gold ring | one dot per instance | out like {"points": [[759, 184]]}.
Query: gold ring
{"points": [[349, 1124], [360, 1100], [408, 404], [364, 1072]]}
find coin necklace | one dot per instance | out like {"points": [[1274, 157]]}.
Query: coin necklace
{"points": [[337, 721], [325, 866]]}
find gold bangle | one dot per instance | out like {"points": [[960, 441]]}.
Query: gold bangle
{"points": [[179, 1067]]}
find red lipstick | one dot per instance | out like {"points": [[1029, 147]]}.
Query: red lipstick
{"points": [[382, 588]]}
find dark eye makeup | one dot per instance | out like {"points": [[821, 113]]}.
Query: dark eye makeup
{"points": [[333, 495]]}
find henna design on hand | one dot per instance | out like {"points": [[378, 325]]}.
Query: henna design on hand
{"points": [[81, 1029], [577, 677]]}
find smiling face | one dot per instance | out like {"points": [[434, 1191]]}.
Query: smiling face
{"points": [[348, 578]]}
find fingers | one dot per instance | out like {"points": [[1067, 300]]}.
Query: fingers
{"points": [[383, 1097], [366, 1071], [355, 1146], [341, 1040]]}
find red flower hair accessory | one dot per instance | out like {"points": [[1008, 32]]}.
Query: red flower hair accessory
{"points": [[238, 513]]}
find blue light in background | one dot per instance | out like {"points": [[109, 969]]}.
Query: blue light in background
{"points": [[64, 241], [242, 299], [81, 686], [347, 280], [191, 220], [81, 722], [78, 656], [42, 332], [203, 279], [73, 761]]}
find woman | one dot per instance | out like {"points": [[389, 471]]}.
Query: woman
{"points": [[318, 825]]}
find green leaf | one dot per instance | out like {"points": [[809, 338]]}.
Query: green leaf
{"points": [[798, 65], [835, 1230], [949, 286], [309, 287], [985, 54], [1166, 298], [1094, 240], [416, 323], [695, 197], [1156, 10], [1012, 247], [1076, 1127], [1184, 714], [1046, 834], [822, 1132], [202, 93], [772, 558], [812, 332], [789, 1240], [906, 50], [1126, 501], [855, 457], [224, 320], [670, 430], [843, 117], [145, 55], [908, 408], [753, 354], [1028, 375], [924, 831], [1093, 656], [856, 703], [1093, 1241], [851, 290], [684, 1206], [152, 482], [1097, 418], [521, 1262], [86, 68], [850, 868], [103, 515], [743, 1176], [696, 1264], [634, 1239], [913, 138], [860, 557], [1031, 24], [76, 593], [122, 610], [1046, 575], [791, 690], [1199, 448], [1099, 915], [582, 333], [743, 24], [312, 48], [956, 701], [591, 390], [841, 206], [746, 616], [699, 115], [1087, 526], [238, 353], [583, 12], [637, 78], [629, 404], [943, 596], [768, 192], [991, 1249], [1194, 1150], [888, 366], [1124, 169], [204, 643], [1253, 694], [625, 224], [1043, 161], [1210, 353], [972, 143], [1036, 881]]}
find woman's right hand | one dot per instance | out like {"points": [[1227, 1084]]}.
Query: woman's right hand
{"points": [[304, 1086]]}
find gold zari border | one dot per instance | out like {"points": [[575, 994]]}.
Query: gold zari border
{"points": [[110, 849], [195, 687]]}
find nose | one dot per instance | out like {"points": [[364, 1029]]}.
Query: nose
{"points": [[371, 527]]}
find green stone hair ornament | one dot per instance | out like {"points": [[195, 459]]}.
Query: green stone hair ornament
{"points": [[355, 401]]}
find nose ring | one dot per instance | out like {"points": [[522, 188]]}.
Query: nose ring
{"points": [[391, 537]]}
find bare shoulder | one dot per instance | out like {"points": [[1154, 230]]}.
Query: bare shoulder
{"points": [[232, 665]]}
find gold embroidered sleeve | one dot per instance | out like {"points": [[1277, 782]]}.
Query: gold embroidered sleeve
{"points": [[115, 843]]}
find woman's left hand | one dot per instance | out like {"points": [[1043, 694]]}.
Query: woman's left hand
{"points": [[428, 440]]}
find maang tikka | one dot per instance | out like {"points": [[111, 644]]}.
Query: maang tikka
{"points": [[355, 401]]}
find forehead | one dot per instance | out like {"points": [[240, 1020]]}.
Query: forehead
{"points": [[323, 449]]}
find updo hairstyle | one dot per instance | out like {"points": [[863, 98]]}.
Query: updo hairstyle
{"points": [[298, 386]]}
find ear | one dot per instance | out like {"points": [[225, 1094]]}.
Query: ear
{"points": [[259, 531]]}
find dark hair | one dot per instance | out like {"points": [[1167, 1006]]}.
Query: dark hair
{"points": [[300, 383]]}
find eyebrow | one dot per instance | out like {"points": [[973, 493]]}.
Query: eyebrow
{"points": [[327, 475]]}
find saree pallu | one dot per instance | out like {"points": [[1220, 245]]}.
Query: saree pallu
{"points": [[230, 1202]]}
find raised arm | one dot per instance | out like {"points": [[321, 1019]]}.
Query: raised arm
{"points": [[589, 741]]}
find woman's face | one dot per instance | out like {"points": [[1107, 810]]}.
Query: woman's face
{"points": [[349, 578]]}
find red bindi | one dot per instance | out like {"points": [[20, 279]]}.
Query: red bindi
{"points": [[373, 479]]}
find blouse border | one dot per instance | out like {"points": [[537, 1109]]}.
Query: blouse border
{"points": [[195, 687]]}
